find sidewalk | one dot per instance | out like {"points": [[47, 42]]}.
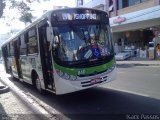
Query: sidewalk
{"points": [[13, 108], [3, 88], [139, 62]]}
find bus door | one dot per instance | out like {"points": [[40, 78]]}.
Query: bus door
{"points": [[46, 59], [17, 58]]}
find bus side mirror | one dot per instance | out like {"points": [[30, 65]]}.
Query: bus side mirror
{"points": [[54, 43], [56, 40]]}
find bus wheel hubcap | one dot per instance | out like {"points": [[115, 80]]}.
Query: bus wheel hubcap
{"points": [[38, 84]]}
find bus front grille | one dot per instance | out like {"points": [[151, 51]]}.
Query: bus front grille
{"points": [[94, 81]]}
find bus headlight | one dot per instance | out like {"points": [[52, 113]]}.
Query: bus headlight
{"points": [[66, 76], [60, 73]]}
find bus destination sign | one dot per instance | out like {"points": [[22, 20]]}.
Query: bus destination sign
{"points": [[87, 16]]}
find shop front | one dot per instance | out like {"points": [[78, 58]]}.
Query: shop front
{"points": [[137, 33]]}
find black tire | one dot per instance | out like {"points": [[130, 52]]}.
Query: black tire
{"points": [[38, 85], [4, 89]]}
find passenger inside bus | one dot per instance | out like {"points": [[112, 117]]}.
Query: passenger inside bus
{"points": [[71, 43], [83, 42]]}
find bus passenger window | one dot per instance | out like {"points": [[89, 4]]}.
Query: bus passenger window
{"points": [[6, 49], [32, 42], [23, 46], [11, 49]]}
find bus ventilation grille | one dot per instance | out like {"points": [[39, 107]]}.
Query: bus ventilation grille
{"points": [[94, 81]]}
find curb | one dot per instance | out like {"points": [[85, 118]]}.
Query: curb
{"points": [[126, 65], [4, 89], [138, 63], [42, 111]]}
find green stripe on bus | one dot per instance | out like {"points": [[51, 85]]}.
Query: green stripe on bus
{"points": [[90, 70]]}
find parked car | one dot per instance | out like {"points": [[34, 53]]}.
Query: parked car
{"points": [[122, 55]]}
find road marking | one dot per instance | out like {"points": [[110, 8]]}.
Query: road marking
{"points": [[121, 72], [127, 91], [154, 66]]}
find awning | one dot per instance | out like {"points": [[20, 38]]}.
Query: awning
{"points": [[136, 20]]}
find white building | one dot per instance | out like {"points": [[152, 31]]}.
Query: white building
{"points": [[133, 22]]}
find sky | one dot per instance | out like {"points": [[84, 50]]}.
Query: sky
{"points": [[38, 8]]}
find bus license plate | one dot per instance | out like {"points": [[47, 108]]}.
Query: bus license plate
{"points": [[95, 80]]}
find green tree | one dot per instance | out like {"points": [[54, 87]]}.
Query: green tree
{"points": [[24, 10], [26, 18], [2, 6], [21, 6]]}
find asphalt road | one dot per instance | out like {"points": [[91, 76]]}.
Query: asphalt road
{"points": [[135, 92]]}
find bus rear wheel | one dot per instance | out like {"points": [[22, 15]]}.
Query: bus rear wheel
{"points": [[11, 73]]}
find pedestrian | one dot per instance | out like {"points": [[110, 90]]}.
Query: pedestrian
{"points": [[158, 50]]}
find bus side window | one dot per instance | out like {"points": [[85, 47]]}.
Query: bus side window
{"points": [[23, 46], [17, 47], [5, 51], [8, 50], [32, 41], [11, 49]]}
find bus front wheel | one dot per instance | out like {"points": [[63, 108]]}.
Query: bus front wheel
{"points": [[38, 85]]}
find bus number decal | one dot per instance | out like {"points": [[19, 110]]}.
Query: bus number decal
{"points": [[81, 72]]}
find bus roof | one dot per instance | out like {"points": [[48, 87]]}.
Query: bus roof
{"points": [[45, 15]]}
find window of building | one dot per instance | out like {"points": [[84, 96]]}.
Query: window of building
{"points": [[87, 1], [126, 3], [133, 2], [144, 0], [100, 7], [110, 2], [122, 4], [110, 5], [79, 2]]}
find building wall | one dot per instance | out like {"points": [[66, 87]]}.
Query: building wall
{"points": [[93, 3], [139, 19], [134, 36], [103, 5], [136, 7]]}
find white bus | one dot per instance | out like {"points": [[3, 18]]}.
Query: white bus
{"points": [[65, 50]]}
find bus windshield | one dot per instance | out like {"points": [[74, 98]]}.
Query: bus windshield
{"points": [[83, 42]]}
